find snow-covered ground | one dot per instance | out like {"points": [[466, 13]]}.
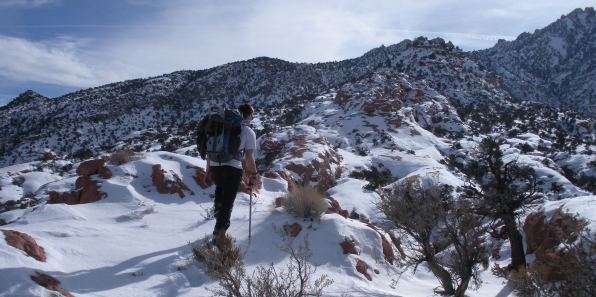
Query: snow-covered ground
{"points": [[136, 242]]}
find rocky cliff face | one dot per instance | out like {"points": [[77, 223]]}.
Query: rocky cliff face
{"points": [[555, 65]]}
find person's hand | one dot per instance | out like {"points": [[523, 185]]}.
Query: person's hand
{"points": [[253, 179]]}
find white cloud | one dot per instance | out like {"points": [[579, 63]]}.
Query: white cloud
{"points": [[27, 3], [59, 61], [199, 34]]}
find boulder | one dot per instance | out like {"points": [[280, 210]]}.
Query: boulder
{"points": [[535, 230], [336, 208], [25, 243], [50, 283], [167, 186], [387, 250], [86, 191], [348, 247], [544, 237], [91, 167], [89, 190], [105, 173], [292, 230], [200, 178], [362, 267]]}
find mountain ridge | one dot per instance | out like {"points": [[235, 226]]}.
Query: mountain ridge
{"points": [[555, 64]]}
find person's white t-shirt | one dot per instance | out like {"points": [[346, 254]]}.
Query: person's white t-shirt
{"points": [[248, 140]]}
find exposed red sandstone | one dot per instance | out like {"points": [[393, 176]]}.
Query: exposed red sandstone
{"points": [[25, 243], [336, 208], [200, 178], [543, 238], [387, 250], [91, 167], [50, 283], [348, 247], [362, 267], [86, 191], [165, 186]]}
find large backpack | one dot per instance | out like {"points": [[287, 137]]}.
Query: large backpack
{"points": [[218, 136]]}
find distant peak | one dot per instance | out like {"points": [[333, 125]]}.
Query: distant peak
{"points": [[26, 97]]}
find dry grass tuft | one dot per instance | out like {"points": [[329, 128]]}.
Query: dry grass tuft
{"points": [[217, 262], [306, 202]]}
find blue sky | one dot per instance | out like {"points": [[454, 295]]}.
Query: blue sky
{"points": [[59, 46]]}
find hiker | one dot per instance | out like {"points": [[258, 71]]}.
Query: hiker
{"points": [[228, 175]]}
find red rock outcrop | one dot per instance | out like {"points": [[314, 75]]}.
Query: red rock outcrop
{"points": [[362, 267], [348, 247], [544, 236], [271, 145], [166, 186], [86, 191], [50, 283], [292, 230], [387, 250], [92, 167], [322, 170], [336, 208], [292, 184], [104, 173], [381, 105], [25, 243], [543, 239], [200, 178], [397, 243]]}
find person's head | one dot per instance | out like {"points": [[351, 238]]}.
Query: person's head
{"points": [[246, 110]]}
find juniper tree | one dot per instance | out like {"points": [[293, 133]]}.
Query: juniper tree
{"points": [[505, 190]]}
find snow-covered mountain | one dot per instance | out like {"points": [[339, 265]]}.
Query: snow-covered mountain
{"points": [[555, 65], [104, 192]]}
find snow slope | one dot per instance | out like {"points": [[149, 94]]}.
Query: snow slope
{"points": [[136, 242]]}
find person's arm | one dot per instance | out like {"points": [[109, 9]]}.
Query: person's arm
{"points": [[251, 166], [249, 159]]}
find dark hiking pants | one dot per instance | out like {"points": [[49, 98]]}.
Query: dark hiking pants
{"points": [[227, 181]]}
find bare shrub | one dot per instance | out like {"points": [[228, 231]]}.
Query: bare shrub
{"points": [[438, 231], [207, 213], [121, 157], [296, 280], [306, 202], [220, 264], [376, 178]]}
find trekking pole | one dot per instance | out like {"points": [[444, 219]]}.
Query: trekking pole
{"points": [[250, 210]]}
